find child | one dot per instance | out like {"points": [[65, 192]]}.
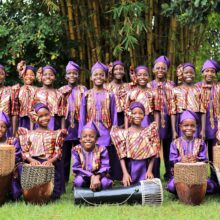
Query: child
{"points": [[72, 93], [188, 149], [136, 147], [4, 126], [50, 97], [119, 89], [43, 146], [162, 90], [99, 105], [90, 161], [210, 93], [22, 95], [187, 96], [6, 102]]}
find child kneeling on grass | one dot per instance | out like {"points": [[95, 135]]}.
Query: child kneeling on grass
{"points": [[91, 161]]}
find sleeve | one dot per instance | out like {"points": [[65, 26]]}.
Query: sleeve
{"points": [[127, 104], [18, 155], [77, 166], [59, 143], [119, 141], [83, 113], [173, 103], [24, 143], [61, 105], [15, 100], [114, 116], [202, 152], [150, 100], [174, 154], [105, 166]]}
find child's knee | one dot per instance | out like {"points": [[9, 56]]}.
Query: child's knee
{"points": [[170, 187], [79, 181], [106, 183]]}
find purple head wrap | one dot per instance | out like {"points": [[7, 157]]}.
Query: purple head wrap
{"points": [[72, 66], [117, 62], [211, 64], [163, 59], [99, 65], [189, 115], [30, 68], [92, 125], [188, 65], [4, 117], [2, 67], [50, 68], [38, 106], [137, 105], [140, 68]]}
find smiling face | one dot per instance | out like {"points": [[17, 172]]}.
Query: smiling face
{"points": [[72, 77], [137, 116], [3, 129], [98, 77], [43, 117], [209, 75], [29, 77], [160, 70], [2, 76], [188, 75], [188, 127], [142, 77], [88, 139], [118, 72], [48, 77]]}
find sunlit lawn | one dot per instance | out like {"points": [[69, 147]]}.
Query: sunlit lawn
{"points": [[65, 209]]}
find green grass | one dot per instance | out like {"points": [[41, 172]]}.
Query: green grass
{"points": [[65, 209]]}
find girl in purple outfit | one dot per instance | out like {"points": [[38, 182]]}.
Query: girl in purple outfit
{"points": [[90, 161], [188, 149], [4, 126], [72, 93]]}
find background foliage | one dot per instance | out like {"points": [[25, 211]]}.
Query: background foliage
{"points": [[55, 31]]}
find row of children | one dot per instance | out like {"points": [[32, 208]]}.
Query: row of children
{"points": [[140, 116]]}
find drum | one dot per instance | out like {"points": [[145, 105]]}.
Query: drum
{"points": [[191, 182], [216, 161], [7, 164], [37, 183], [146, 192]]}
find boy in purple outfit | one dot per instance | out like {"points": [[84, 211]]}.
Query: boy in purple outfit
{"points": [[72, 93], [188, 149], [90, 161], [4, 126], [162, 90]]}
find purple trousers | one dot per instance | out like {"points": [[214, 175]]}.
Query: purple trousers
{"points": [[16, 190], [84, 181], [212, 186]]}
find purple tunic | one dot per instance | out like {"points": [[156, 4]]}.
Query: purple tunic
{"points": [[86, 164], [104, 139], [188, 148]]}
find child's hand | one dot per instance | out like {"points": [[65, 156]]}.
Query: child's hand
{"points": [[218, 136], [202, 135], [126, 180], [47, 163], [35, 162], [149, 175], [192, 159], [21, 131], [175, 135], [95, 182], [185, 159]]}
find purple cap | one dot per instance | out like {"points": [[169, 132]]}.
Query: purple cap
{"points": [[72, 66], [50, 68], [99, 65], [2, 67], [140, 68], [188, 65], [39, 105], [188, 115], [137, 105], [92, 125], [211, 64], [117, 62], [4, 117], [30, 68], [163, 59]]}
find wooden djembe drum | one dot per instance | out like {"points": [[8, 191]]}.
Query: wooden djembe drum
{"points": [[7, 164], [216, 161], [191, 182], [37, 183]]}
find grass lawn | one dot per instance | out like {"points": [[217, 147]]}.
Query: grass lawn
{"points": [[64, 209]]}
